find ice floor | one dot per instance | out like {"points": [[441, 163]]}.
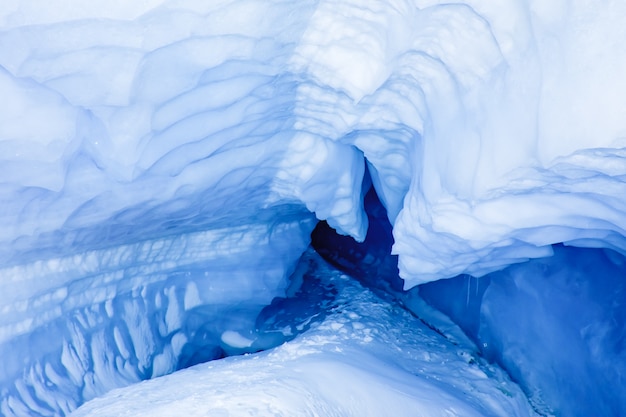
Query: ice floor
{"points": [[362, 355]]}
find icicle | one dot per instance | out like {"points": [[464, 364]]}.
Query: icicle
{"points": [[469, 284]]}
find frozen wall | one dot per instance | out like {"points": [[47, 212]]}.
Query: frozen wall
{"points": [[556, 324], [145, 211]]}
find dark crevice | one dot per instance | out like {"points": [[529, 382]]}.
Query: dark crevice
{"points": [[370, 261]]}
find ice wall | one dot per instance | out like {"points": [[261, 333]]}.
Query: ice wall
{"points": [[144, 218], [567, 341], [75, 327], [556, 324]]}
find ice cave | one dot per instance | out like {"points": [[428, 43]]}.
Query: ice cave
{"points": [[312, 208]]}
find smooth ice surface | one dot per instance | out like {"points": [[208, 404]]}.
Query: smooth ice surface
{"points": [[573, 308], [556, 324], [366, 357]]}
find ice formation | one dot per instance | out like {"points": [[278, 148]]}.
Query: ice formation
{"points": [[556, 324], [347, 365], [163, 163]]}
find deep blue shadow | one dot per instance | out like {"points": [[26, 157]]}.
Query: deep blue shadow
{"points": [[370, 261]]}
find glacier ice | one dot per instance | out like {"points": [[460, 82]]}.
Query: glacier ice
{"points": [[163, 162], [556, 324], [572, 308], [78, 326], [345, 365]]}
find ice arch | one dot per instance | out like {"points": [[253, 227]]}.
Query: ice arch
{"points": [[463, 111], [167, 139]]}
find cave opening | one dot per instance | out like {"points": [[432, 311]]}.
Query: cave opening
{"points": [[370, 261], [554, 324]]}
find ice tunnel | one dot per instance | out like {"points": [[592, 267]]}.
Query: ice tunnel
{"points": [[395, 207]]}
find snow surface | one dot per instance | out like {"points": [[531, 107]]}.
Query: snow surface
{"points": [[365, 357], [162, 164], [491, 130]]}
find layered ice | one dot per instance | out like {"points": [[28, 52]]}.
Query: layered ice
{"points": [[491, 131], [78, 326], [162, 164]]}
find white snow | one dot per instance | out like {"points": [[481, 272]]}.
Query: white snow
{"points": [[462, 111]]}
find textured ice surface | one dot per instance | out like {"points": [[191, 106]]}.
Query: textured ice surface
{"points": [[490, 130], [75, 327], [366, 357]]}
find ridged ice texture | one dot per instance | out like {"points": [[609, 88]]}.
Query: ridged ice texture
{"points": [[363, 356], [129, 121], [491, 129], [75, 327]]}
